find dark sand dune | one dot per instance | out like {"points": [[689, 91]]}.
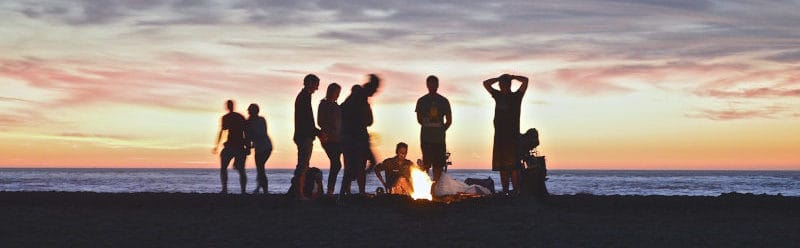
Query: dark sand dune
{"points": [[58, 219]]}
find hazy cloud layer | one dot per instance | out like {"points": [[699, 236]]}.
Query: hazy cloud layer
{"points": [[196, 48]]}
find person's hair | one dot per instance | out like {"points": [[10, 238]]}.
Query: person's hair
{"points": [[332, 88], [253, 109], [310, 79], [432, 79], [505, 78], [400, 145], [355, 89], [229, 104]]}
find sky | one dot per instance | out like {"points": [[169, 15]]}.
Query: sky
{"points": [[688, 84]]}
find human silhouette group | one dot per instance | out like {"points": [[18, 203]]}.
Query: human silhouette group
{"points": [[343, 134]]}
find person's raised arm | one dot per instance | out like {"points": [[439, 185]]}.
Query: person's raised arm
{"points": [[524, 87], [488, 84]]}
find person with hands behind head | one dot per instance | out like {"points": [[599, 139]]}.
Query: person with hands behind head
{"points": [[506, 127]]}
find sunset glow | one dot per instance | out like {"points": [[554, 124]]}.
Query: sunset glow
{"points": [[614, 84]]}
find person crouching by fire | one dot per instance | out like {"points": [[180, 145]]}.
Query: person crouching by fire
{"points": [[398, 171]]}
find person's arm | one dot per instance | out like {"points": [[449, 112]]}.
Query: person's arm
{"points": [[487, 84], [378, 169], [369, 120], [219, 138], [216, 144], [448, 117], [323, 116], [524, 87]]}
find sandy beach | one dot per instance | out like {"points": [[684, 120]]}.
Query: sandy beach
{"points": [[61, 219]]}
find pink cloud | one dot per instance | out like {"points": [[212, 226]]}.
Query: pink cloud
{"points": [[179, 81], [608, 79], [752, 93], [734, 114]]}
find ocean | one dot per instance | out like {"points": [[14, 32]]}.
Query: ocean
{"points": [[597, 182]]}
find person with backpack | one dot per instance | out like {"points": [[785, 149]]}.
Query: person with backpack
{"points": [[506, 127]]}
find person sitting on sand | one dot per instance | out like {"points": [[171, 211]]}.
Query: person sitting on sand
{"points": [[397, 171], [313, 183]]}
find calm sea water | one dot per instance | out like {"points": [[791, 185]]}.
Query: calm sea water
{"points": [[598, 182]]}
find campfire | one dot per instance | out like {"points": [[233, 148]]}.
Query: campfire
{"points": [[421, 184]]}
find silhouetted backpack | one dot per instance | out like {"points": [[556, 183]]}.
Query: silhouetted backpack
{"points": [[486, 183], [534, 173]]}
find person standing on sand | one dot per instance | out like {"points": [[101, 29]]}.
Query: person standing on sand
{"points": [[330, 121], [258, 138], [305, 131], [356, 117], [435, 117], [506, 127], [234, 147]]}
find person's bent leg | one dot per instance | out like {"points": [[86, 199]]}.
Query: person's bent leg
{"points": [[225, 159], [238, 163], [504, 176], [515, 180], [334, 152]]}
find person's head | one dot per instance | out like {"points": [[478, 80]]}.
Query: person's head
{"points": [[433, 84], [401, 150], [505, 82], [333, 91], [229, 105], [311, 83], [355, 89], [253, 109]]}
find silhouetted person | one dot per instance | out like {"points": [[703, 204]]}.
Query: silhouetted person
{"points": [[258, 138], [435, 117], [398, 171], [506, 127], [305, 131], [356, 117], [313, 183], [234, 148], [330, 121]]}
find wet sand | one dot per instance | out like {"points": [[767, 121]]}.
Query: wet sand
{"points": [[60, 219]]}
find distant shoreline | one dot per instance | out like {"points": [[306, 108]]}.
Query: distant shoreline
{"points": [[35, 219]]}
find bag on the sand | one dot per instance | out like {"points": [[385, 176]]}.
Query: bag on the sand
{"points": [[486, 183]]}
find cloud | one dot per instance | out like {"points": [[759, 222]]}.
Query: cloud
{"points": [[95, 135], [752, 93], [785, 57], [735, 114], [183, 81]]}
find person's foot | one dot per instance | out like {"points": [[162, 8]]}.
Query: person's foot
{"points": [[224, 191]]}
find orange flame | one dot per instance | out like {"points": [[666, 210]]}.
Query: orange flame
{"points": [[421, 184]]}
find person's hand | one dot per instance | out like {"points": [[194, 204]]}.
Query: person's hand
{"points": [[214, 150]]}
